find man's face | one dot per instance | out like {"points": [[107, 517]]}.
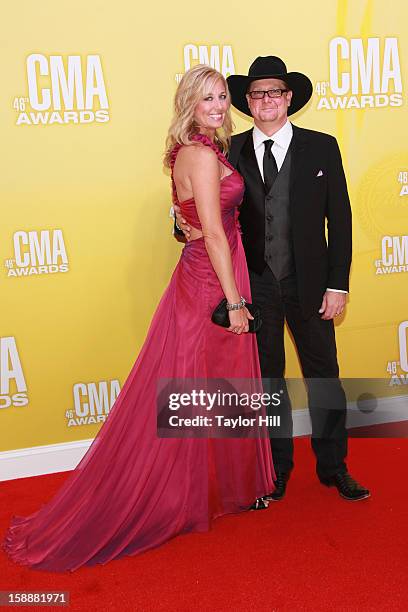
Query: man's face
{"points": [[266, 109]]}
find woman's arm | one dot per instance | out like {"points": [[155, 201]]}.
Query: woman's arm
{"points": [[204, 175]]}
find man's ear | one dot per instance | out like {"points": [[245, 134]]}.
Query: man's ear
{"points": [[289, 96]]}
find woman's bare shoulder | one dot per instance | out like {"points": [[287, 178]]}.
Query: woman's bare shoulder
{"points": [[197, 153]]}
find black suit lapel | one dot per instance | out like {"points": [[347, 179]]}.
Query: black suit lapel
{"points": [[299, 147], [248, 166]]}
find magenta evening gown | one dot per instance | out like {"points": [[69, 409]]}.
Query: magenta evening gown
{"points": [[133, 491]]}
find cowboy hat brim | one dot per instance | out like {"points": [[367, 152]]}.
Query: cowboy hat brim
{"points": [[298, 83]]}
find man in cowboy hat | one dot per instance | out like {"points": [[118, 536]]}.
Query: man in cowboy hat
{"points": [[294, 184]]}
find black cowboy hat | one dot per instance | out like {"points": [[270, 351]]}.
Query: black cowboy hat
{"points": [[270, 67]]}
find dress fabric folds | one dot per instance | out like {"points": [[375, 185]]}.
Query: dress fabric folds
{"points": [[132, 490]]}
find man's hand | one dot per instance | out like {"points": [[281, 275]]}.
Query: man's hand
{"points": [[333, 304], [181, 222]]}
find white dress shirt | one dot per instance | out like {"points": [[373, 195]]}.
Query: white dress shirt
{"points": [[281, 141]]}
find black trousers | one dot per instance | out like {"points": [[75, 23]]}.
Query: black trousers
{"points": [[316, 346]]}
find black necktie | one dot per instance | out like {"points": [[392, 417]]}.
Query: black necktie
{"points": [[270, 169]]}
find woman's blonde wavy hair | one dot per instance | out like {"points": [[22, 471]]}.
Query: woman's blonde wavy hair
{"points": [[194, 85]]}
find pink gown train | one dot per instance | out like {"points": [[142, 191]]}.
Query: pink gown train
{"points": [[133, 491]]}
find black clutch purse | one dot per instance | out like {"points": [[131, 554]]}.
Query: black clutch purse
{"points": [[220, 316]]}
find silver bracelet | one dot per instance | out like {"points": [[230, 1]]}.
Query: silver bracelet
{"points": [[238, 306]]}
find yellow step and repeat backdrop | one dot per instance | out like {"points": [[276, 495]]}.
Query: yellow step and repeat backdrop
{"points": [[86, 246]]}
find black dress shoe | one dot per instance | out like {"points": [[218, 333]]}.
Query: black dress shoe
{"points": [[346, 486], [280, 487], [260, 504]]}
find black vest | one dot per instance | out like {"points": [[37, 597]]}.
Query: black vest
{"points": [[264, 217]]}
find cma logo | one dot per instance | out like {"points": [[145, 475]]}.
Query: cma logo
{"points": [[394, 255], [402, 336], [403, 180], [64, 90], [216, 56], [92, 402], [395, 250], [364, 73], [36, 253], [13, 388]]}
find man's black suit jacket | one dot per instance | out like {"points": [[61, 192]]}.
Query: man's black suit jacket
{"points": [[318, 194]]}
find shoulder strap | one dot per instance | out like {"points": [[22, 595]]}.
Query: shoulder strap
{"points": [[208, 143], [173, 157], [203, 140]]}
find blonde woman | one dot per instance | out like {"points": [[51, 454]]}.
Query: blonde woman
{"points": [[133, 490]]}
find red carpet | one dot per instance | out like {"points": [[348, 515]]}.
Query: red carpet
{"points": [[312, 551]]}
